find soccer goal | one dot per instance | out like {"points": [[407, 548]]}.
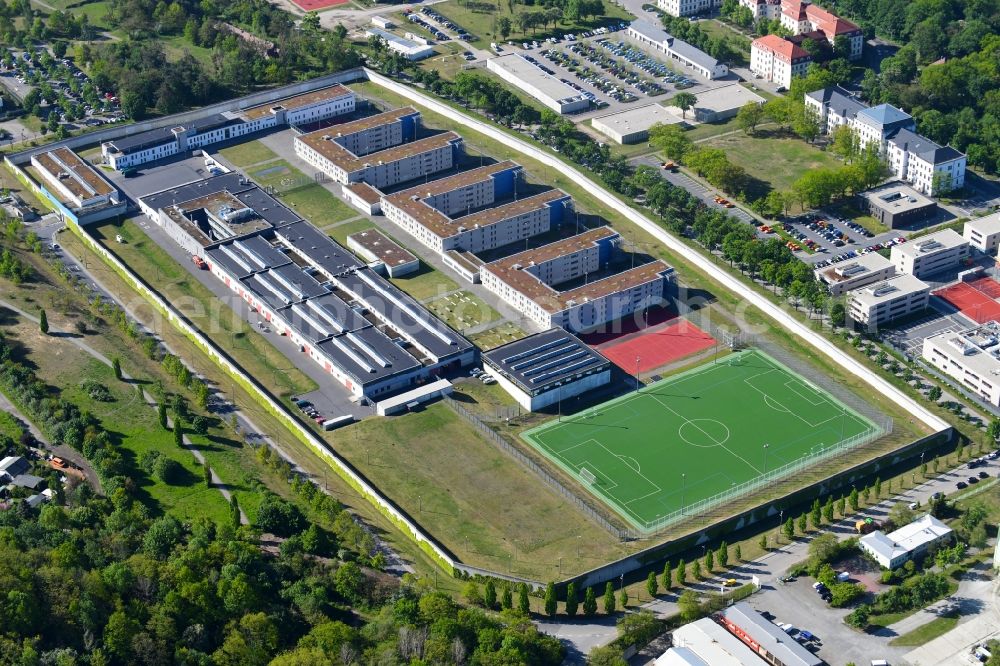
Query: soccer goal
{"points": [[588, 476]]}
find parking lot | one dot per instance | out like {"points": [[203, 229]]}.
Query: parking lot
{"points": [[694, 187]]}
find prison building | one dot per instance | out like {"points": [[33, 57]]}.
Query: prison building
{"points": [[75, 181], [383, 254], [883, 302], [930, 254], [844, 276], [971, 357]]}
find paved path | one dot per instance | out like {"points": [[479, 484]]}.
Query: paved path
{"points": [[973, 598]]}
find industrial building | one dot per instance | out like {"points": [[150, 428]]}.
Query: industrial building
{"points": [[371, 337], [527, 281], [971, 357], [383, 254], [677, 50], [983, 233], [844, 276], [143, 147], [883, 302], [766, 639], [897, 205], [930, 254], [380, 150], [705, 642], [632, 125], [476, 210], [718, 104], [78, 184], [547, 89], [546, 368], [410, 49], [896, 548]]}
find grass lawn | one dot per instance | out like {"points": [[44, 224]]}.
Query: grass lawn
{"points": [[482, 504], [246, 154], [425, 283], [10, 427], [317, 204], [280, 175], [482, 24], [496, 336], [448, 62], [708, 130], [462, 310], [176, 46], [96, 12], [711, 422], [248, 347], [340, 232], [926, 632], [777, 161]]}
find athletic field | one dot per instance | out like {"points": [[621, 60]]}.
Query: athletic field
{"points": [[698, 437]]}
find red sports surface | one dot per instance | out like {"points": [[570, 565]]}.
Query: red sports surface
{"points": [[972, 302], [315, 5], [987, 285], [655, 348]]}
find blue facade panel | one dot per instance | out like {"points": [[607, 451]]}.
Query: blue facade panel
{"points": [[503, 182], [409, 124], [605, 247]]}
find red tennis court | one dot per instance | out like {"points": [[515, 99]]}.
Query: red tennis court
{"points": [[972, 302], [987, 285], [316, 5], [656, 348]]}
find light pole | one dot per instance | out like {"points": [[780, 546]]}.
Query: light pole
{"points": [[636, 374], [765, 458], [683, 489]]}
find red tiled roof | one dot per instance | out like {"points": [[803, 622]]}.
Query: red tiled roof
{"points": [[830, 24], [783, 48]]}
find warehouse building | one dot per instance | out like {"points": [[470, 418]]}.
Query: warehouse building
{"points": [[766, 639], [410, 49], [883, 302], [381, 150], [896, 548], [632, 126], [383, 254], [718, 104], [971, 357], [547, 368], [527, 282], [132, 151], [930, 254], [546, 88], [677, 50], [983, 233], [78, 184], [844, 276], [476, 210], [897, 205], [706, 643]]}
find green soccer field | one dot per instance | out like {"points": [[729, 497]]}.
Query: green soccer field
{"points": [[694, 439]]}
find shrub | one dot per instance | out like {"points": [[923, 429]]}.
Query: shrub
{"points": [[168, 470]]}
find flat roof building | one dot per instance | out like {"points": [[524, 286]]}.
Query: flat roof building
{"points": [[383, 253], [930, 254], [718, 104], [547, 89], [897, 205], [768, 640], [711, 644], [971, 357], [894, 549], [677, 50], [983, 233], [77, 183], [883, 302], [364, 197], [545, 368], [632, 125], [844, 276], [527, 281], [408, 48]]}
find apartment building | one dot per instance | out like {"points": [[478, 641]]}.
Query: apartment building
{"points": [[131, 151], [778, 60], [528, 282], [883, 302], [930, 254], [970, 357], [983, 233], [687, 7], [845, 276], [380, 150]]}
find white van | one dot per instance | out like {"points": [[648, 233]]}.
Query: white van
{"points": [[879, 662]]}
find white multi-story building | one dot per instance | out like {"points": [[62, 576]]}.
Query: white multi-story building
{"points": [[527, 281], [882, 302], [687, 7], [845, 276], [380, 150], [970, 357], [915, 159], [930, 254], [131, 151], [678, 50], [983, 233], [763, 9], [778, 60]]}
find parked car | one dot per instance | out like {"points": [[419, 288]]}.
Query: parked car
{"points": [[961, 485]]}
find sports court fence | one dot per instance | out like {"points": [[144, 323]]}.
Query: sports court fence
{"points": [[492, 436]]}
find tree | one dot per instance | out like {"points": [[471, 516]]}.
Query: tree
{"points": [[116, 367], [207, 475], [934, 394], [789, 529], [668, 575], [670, 140], [504, 27], [571, 599], [749, 116], [161, 413], [490, 594], [877, 489], [681, 573], [802, 524], [763, 542], [709, 561], [551, 602], [823, 549], [688, 606], [43, 322], [609, 598], [178, 434], [235, 518], [853, 500], [608, 655], [722, 556], [507, 598], [858, 618], [652, 586], [828, 509], [738, 553], [696, 570], [684, 101], [623, 598], [901, 514], [589, 602], [816, 514], [841, 508], [838, 314], [523, 603]]}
